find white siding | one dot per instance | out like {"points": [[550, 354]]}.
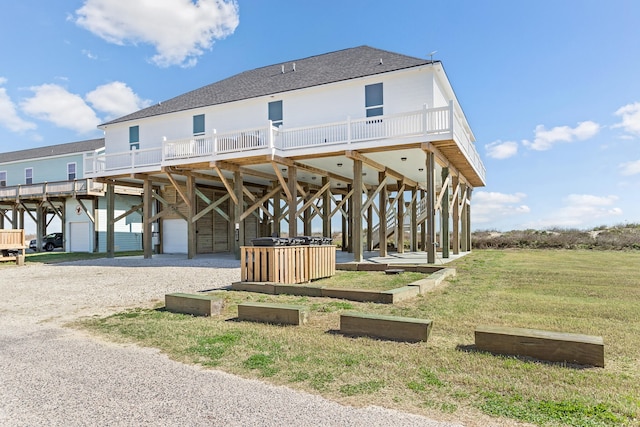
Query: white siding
{"points": [[128, 231], [79, 227], [407, 90]]}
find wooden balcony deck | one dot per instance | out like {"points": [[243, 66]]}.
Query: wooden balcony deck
{"points": [[58, 189], [439, 127]]}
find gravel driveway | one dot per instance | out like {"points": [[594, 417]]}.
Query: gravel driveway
{"points": [[54, 376]]}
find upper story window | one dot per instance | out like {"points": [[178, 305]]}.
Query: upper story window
{"points": [[134, 137], [3, 179], [28, 176], [275, 113], [71, 171], [373, 100], [198, 124]]}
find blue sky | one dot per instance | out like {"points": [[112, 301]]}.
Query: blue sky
{"points": [[551, 88]]}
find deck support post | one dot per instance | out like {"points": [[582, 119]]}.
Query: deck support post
{"points": [[306, 218], [111, 206], [147, 201], [356, 211], [468, 249], [382, 205], [463, 219], [191, 224], [430, 206], [423, 227], [293, 201], [456, 215], [326, 209], [345, 229], [414, 220], [444, 217], [277, 212], [238, 223], [369, 226], [400, 217]]}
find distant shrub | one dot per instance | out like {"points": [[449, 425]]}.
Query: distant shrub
{"points": [[622, 237]]}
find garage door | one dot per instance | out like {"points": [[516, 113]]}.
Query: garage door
{"points": [[79, 237], [174, 236]]}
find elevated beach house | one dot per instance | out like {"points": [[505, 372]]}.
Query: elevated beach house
{"points": [[46, 187], [372, 142]]}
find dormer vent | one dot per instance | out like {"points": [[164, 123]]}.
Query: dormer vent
{"points": [[294, 66], [283, 69], [381, 61]]}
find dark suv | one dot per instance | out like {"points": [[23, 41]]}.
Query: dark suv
{"points": [[49, 242]]}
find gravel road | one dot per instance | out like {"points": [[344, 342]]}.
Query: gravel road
{"points": [[55, 376]]}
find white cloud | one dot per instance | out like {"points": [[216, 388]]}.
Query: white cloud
{"points": [[546, 138], [88, 54], [489, 206], [116, 99], [630, 168], [501, 150], [180, 30], [55, 104], [9, 115], [630, 114], [580, 210]]}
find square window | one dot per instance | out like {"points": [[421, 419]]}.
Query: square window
{"points": [[198, 124]]}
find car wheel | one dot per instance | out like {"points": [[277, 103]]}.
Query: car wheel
{"points": [[48, 247]]}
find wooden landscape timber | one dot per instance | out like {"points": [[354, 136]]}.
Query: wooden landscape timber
{"points": [[543, 345], [195, 304], [284, 314], [387, 327]]}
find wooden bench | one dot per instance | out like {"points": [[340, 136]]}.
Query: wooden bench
{"points": [[285, 314], [198, 305], [388, 327], [543, 345]]}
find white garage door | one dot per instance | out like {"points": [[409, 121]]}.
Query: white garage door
{"points": [[174, 236], [79, 237]]}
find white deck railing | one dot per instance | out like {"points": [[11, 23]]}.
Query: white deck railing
{"points": [[432, 124], [80, 186]]}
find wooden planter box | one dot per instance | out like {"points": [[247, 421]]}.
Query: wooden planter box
{"points": [[287, 264]]}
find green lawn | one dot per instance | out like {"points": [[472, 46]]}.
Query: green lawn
{"points": [[596, 293]]}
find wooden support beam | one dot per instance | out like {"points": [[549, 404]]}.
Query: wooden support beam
{"points": [[227, 185], [281, 180], [147, 202], [455, 206], [382, 213], [356, 211], [326, 208], [259, 204], [400, 217], [444, 212], [430, 206], [355, 155], [238, 226], [111, 205], [179, 190], [191, 224], [292, 200]]}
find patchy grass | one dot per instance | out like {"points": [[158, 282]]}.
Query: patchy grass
{"points": [[57, 257], [588, 292], [371, 281]]}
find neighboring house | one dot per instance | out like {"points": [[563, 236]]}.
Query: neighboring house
{"points": [[47, 183], [375, 137]]}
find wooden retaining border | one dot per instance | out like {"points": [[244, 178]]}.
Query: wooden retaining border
{"points": [[285, 314], [544, 345], [387, 327], [287, 264], [198, 305], [391, 296]]}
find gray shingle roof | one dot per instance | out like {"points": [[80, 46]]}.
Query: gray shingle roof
{"points": [[312, 71], [53, 150]]}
